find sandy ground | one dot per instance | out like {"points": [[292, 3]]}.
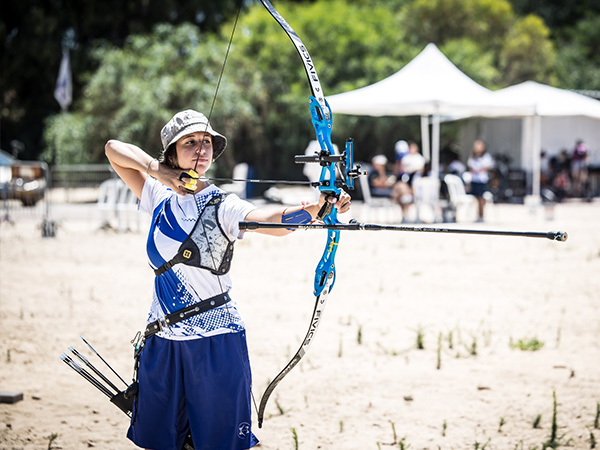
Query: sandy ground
{"points": [[364, 384]]}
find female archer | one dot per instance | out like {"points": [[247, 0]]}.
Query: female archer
{"points": [[193, 369]]}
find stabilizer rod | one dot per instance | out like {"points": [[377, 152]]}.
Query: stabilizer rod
{"points": [[560, 236]]}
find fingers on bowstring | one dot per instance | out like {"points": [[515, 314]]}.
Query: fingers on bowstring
{"points": [[190, 181]]}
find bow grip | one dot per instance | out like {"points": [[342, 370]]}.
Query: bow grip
{"points": [[327, 206]]}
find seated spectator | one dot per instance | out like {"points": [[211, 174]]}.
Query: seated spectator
{"points": [[450, 160], [381, 182], [544, 169], [560, 174], [579, 168], [412, 164], [401, 150]]}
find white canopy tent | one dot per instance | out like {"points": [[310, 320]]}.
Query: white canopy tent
{"points": [[429, 86], [549, 102]]}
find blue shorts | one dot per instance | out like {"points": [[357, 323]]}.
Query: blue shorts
{"points": [[202, 385], [478, 189]]}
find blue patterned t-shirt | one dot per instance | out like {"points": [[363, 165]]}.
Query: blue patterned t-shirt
{"points": [[173, 218]]}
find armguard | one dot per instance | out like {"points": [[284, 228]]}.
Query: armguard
{"points": [[298, 217]]}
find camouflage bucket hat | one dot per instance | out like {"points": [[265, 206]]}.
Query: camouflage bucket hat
{"points": [[190, 121]]}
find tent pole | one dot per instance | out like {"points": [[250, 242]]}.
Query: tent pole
{"points": [[425, 137], [435, 146], [536, 166]]}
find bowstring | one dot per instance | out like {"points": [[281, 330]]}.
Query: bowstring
{"points": [[214, 100], [246, 369]]}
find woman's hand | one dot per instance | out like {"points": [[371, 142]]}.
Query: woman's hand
{"points": [[342, 204], [172, 178]]}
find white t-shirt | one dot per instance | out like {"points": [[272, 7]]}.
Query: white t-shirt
{"points": [[173, 218], [413, 162], [477, 164]]}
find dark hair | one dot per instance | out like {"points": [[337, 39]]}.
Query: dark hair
{"points": [[169, 157]]}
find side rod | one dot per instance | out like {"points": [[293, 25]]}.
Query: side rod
{"points": [[560, 236]]}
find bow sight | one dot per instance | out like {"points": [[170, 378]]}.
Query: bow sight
{"points": [[348, 172], [345, 168]]}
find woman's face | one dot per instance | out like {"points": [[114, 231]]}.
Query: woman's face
{"points": [[195, 150]]}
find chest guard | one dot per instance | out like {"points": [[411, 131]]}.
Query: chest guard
{"points": [[207, 246]]}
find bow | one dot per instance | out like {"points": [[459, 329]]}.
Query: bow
{"points": [[321, 118]]}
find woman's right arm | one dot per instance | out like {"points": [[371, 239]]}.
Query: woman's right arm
{"points": [[133, 165]]}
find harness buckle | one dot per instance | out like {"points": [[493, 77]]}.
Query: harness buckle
{"points": [[162, 323]]}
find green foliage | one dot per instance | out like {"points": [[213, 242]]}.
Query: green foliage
{"points": [[439, 21], [578, 59], [420, 338], [51, 439], [67, 137], [31, 34], [262, 106], [467, 54], [559, 15], [555, 441], [532, 344], [136, 89], [347, 54], [528, 54], [294, 437]]}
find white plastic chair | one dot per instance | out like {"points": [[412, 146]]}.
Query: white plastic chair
{"points": [[126, 208], [377, 205], [461, 203], [426, 192], [108, 194]]}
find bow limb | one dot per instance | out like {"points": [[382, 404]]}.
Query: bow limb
{"points": [[315, 321], [325, 272]]}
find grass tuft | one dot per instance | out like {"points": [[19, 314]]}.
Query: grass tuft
{"points": [[420, 336], [295, 437], [439, 352], [51, 439], [527, 344]]}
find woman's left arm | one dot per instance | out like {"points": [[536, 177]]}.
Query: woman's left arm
{"points": [[276, 215]]}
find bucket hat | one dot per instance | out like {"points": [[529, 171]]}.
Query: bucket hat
{"points": [[190, 121]]}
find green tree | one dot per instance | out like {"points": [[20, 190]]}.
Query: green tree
{"points": [[578, 60], [484, 38], [347, 53], [439, 21], [558, 15], [31, 34], [262, 103], [528, 54], [478, 64], [136, 89]]}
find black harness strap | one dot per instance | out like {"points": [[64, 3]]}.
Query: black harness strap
{"points": [[204, 235], [185, 313]]}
